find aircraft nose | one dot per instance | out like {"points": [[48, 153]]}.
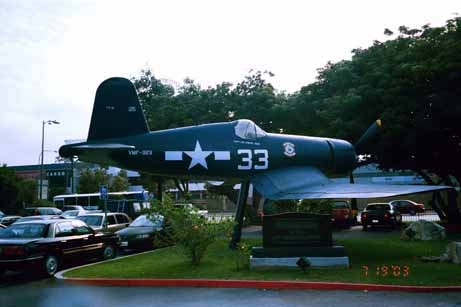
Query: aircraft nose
{"points": [[343, 154]]}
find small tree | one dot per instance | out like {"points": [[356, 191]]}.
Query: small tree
{"points": [[191, 232], [91, 180], [120, 182]]}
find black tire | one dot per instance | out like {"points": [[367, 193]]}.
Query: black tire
{"points": [[148, 245], [50, 265], [364, 227], [108, 252], [412, 212]]}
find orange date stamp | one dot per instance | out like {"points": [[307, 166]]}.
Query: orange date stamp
{"points": [[397, 271]]}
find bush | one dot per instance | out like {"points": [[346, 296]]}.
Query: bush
{"points": [[191, 232]]}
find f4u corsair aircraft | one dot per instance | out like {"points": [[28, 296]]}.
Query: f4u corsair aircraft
{"points": [[279, 166]]}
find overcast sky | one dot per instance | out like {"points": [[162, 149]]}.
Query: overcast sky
{"points": [[54, 54]]}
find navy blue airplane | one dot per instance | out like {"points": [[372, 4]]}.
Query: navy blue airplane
{"points": [[279, 166]]}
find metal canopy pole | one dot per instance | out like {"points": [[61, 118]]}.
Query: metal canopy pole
{"points": [[243, 196]]}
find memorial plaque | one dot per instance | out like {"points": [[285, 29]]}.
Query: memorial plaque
{"points": [[297, 229]]}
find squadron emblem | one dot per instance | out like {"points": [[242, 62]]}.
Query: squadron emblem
{"points": [[289, 149]]}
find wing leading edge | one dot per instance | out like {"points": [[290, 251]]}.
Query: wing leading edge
{"points": [[311, 183]]}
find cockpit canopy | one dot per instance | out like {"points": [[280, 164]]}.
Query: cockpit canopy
{"points": [[248, 130]]}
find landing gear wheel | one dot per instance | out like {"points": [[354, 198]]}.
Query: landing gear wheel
{"points": [[50, 265], [108, 252]]}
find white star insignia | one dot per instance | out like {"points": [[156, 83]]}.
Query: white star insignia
{"points": [[198, 156]]}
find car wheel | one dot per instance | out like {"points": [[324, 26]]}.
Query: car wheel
{"points": [[148, 245], [364, 227], [108, 252], [50, 265], [412, 212]]}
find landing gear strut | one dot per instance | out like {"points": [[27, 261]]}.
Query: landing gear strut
{"points": [[241, 203]]}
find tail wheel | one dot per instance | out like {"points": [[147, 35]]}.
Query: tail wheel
{"points": [[51, 265], [108, 252]]}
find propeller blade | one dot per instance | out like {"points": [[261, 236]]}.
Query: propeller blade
{"points": [[368, 135]]}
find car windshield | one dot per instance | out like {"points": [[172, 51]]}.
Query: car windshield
{"points": [[248, 130], [91, 220], [70, 213], [379, 207], [341, 204], [24, 231], [143, 221]]}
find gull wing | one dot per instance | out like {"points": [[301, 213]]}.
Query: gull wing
{"points": [[311, 183]]}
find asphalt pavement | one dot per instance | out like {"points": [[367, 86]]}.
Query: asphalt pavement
{"points": [[17, 290], [51, 292]]}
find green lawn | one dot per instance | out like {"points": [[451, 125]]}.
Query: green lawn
{"points": [[219, 263]]}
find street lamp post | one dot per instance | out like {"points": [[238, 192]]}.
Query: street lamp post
{"points": [[49, 122]]}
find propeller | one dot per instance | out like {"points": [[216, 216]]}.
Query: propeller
{"points": [[365, 139]]}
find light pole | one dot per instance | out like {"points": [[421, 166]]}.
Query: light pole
{"points": [[49, 122]]}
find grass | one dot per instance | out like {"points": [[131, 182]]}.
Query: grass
{"points": [[219, 263]]}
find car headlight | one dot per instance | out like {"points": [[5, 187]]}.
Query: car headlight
{"points": [[144, 236]]}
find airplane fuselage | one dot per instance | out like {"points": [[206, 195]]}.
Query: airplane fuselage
{"points": [[215, 151]]}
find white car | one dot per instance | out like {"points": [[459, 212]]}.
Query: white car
{"points": [[72, 214], [194, 210]]}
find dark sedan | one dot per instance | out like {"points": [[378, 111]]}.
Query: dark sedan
{"points": [[380, 214], [407, 206], [141, 232], [47, 244]]}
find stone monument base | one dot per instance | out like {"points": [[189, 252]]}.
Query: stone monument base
{"points": [[291, 262], [298, 251]]}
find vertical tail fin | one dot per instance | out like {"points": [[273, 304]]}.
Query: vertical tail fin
{"points": [[116, 111]]}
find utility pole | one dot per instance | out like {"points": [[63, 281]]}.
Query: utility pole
{"points": [[49, 122]]}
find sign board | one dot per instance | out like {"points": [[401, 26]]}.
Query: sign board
{"points": [[103, 192], [297, 229]]}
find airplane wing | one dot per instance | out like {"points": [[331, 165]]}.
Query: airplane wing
{"points": [[311, 183]]}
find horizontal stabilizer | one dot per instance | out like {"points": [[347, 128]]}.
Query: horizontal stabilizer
{"points": [[71, 150], [104, 146], [311, 183]]}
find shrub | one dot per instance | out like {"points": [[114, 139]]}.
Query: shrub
{"points": [[191, 232]]}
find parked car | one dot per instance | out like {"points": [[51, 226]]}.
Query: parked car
{"points": [[194, 210], [380, 214], [341, 214], [42, 211], [67, 208], [115, 221], [407, 206], [38, 217], [48, 244], [141, 232], [9, 219]]}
